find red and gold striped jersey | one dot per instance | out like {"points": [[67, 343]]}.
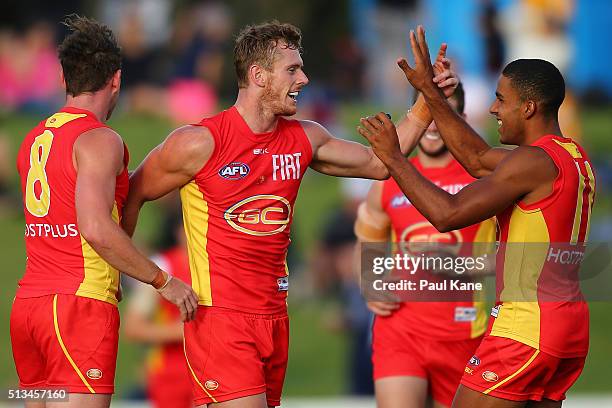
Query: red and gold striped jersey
{"points": [[237, 212], [453, 320], [59, 260], [541, 247]]}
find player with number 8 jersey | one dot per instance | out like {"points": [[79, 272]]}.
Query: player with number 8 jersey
{"points": [[74, 181], [59, 259]]}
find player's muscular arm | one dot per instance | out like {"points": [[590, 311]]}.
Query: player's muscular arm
{"points": [[98, 157], [527, 173], [342, 158], [169, 166]]}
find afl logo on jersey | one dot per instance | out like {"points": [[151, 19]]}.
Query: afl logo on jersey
{"points": [[234, 171], [260, 215]]}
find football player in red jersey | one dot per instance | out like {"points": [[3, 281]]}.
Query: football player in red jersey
{"points": [[239, 173], [420, 348], [152, 320], [542, 193], [74, 181]]}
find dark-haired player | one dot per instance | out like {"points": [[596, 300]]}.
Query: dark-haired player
{"points": [[542, 193], [419, 348], [239, 174], [74, 181]]}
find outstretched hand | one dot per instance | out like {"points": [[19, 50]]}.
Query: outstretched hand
{"points": [[380, 132], [445, 77], [425, 76]]}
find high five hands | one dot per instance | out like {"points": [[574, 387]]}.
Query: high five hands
{"points": [[379, 130], [424, 76]]}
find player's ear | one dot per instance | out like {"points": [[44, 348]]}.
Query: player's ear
{"points": [[257, 75], [116, 80], [529, 109], [62, 78]]}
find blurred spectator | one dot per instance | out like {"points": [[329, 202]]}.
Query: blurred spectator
{"points": [[150, 319], [335, 270], [171, 68], [153, 17], [390, 23], [348, 68], [141, 78], [201, 34], [495, 47], [7, 203], [539, 29], [29, 70]]}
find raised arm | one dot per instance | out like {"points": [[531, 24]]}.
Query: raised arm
{"points": [[98, 157], [526, 172], [338, 157], [169, 166], [478, 158]]}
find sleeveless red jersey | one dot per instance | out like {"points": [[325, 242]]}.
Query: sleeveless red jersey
{"points": [[451, 320], [59, 260], [167, 361], [541, 247], [238, 210]]}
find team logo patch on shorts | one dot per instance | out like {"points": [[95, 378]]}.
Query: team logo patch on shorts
{"points": [[94, 373], [475, 361], [211, 385], [490, 376]]}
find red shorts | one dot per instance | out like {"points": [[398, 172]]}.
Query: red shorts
{"points": [[232, 354], [397, 352], [171, 389], [65, 341], [508, 369]]}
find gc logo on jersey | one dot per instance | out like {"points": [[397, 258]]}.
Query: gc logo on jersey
{"points": [[234, 171], [260, 215], [424, 237]]}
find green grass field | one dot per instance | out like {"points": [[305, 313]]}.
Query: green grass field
{"points": [[317, 364]]}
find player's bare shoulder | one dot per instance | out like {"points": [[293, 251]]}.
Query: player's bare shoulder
{"points": [[102, 143], [530, 170], [188, 147], [531, 161], [316, 133]]}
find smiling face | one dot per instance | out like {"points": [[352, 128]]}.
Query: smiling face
{"points": [[507, 109], [284, 82]]}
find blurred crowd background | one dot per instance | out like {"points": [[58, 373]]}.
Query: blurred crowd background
{"points": [[178, 68]]}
